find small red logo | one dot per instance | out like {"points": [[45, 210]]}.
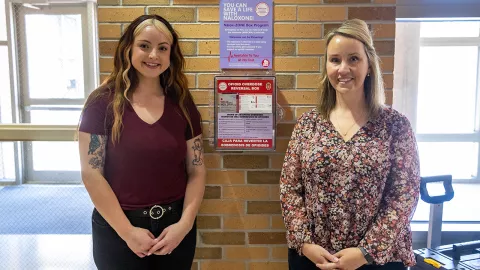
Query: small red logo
{"points": [[265, 63]]}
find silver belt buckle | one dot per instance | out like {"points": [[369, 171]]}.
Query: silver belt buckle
{"points": [[157, 211]]}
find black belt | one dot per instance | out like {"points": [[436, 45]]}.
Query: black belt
{"points": [[157, 211]]}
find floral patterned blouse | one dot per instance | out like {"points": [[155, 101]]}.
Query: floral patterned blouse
{"points": [[361, 192]]}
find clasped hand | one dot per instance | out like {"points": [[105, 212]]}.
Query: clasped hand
{"points": [[143, 243], [346, 259]]}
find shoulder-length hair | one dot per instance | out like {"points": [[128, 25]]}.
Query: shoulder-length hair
{"points": [[373, 85]]}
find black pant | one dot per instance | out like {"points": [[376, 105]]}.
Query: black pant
{"points": [[297, 262], [111, 252]]}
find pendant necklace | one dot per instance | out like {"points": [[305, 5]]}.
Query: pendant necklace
{"points": [[344, 134]]}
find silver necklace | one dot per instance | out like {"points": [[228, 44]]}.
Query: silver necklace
{"points": [[344, 134]]}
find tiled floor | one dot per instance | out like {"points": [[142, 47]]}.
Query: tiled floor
{"points": [[46, 252]]}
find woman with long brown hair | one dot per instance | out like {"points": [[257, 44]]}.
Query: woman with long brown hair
{"points": [[140, 143], [351, 179]]}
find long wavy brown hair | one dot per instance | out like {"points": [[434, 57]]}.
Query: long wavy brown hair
{"points": [[123, 80], [373, 85]]}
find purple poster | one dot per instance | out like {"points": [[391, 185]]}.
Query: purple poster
{"points": [[246, 34]]}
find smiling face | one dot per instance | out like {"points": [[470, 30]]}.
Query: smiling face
{"points": [[151, 52], [347, 64]]}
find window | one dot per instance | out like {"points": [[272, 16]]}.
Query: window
{"points": [[7, 165], [54, 55], [437, 88], [54, 60]]}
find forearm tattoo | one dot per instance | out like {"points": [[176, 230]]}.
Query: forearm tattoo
{"points": [[96, 149], [197, 152]]}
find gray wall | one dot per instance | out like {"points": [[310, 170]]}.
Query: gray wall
{"points": [[437, 8]]}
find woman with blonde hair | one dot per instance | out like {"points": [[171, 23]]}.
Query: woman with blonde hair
{"points": [[350, 180], [141, 154]]}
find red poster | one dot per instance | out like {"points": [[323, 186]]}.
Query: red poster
{"points": [[245, 113]]}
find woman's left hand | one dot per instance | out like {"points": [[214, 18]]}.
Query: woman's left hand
{"points": [[349, 259], [169, 239]]}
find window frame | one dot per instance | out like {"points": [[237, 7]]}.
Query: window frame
{"points": [[21, 106]]}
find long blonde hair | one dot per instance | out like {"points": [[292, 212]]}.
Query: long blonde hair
{"points": [[124, 79], [373, 85]]}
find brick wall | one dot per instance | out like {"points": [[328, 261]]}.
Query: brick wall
{"points": [[240, 226]]}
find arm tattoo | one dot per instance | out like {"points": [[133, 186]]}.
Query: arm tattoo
{"points": [[94, 144], [97, 149], [197, 152]]}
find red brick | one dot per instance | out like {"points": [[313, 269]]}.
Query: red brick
{"points": [[209, 222], [268, 266], [287, 97], [212, 192], [245, 192], [285, 129], [256, 238], [280, 253], [208, 253], [223, 238], [385, 47], [245, 162], [222, 265], [222, 207], [372, 13], [346, 1], [384, 30], [263, 207], [327, 27], [246, 253], [277, 222], [225, 177], [263, 177], [322, 13], [276, 161], [285, 81], [246, 222]]}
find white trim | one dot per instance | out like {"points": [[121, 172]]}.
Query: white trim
{"points": [[13, 56], [29, 132], [405, 86], [14, 85], [55, 177], [53, 102], [477, 110], [93, 48], [53, 108], [453, 41], [438, 19], [448, 137]]}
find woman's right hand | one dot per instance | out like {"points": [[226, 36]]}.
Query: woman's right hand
{"points": [[139, 240], [318, 254]]}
